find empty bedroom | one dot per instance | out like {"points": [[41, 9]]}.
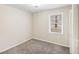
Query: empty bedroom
{"points": [[38, 28]]}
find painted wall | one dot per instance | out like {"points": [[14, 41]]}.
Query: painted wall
{"points": [[41, 26], [15, 26]]}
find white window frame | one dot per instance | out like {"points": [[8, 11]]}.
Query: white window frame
{"points": [[61, 13]]}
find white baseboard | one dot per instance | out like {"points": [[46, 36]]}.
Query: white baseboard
{"points": [[16, 44], [51, 42]]}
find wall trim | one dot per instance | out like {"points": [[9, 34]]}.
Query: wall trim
{"points": [[16, 44], [51, 42]]}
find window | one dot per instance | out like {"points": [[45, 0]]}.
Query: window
{"points": [[56, 23]]}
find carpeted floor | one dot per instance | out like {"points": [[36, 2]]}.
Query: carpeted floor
{"points": [[37, 47]]}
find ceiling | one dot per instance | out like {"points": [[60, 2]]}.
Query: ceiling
{"points": [[35, 8]]}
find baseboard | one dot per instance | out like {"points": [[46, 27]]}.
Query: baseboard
{"points": [[16, 44], [51, 42]]}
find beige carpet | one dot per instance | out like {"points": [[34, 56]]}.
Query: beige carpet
{"points": [[38, 47]]}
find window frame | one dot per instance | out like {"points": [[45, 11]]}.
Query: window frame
{"points": [[61, 13]]}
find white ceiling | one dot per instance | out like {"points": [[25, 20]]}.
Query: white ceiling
{"points": [[32, 8]]}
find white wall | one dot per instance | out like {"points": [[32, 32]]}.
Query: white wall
{"points": [[41, 26], [15, 26]]}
